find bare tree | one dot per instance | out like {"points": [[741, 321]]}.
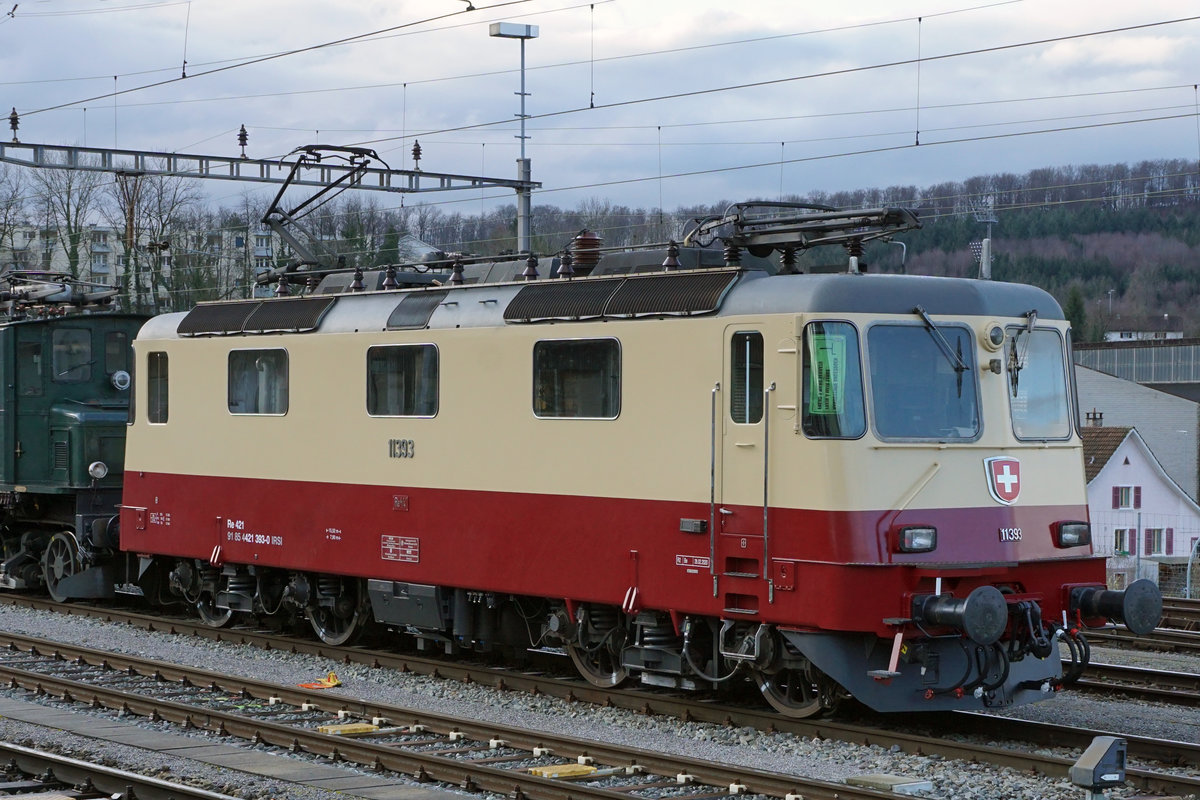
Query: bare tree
{"points": [[72, 197], [12, 207]]}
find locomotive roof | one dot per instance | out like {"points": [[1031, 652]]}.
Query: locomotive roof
{"points": [[688, 293]]}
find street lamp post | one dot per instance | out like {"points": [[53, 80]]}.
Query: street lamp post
{"points": [[511, 30]]}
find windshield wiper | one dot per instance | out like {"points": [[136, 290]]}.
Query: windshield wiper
{"points": [[1016, 363], [955, 358], [74, 367]]}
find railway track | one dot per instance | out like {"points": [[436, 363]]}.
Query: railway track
{"points": [[1181, 613], [429, 747], [690, 709], [34, 773]]}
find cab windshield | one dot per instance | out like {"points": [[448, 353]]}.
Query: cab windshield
{"points": [[923, 382], [1039, 399]]}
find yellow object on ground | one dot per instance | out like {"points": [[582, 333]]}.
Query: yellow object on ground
{"points": [[324, 683], [563, 771]]}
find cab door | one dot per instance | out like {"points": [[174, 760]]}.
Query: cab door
{"points": [[31, 422], [739, 545]]}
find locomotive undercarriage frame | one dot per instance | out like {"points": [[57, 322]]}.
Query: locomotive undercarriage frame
{"points": [[799, 673], [63, 543]]}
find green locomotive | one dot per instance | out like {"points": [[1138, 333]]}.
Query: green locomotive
{"points": [[64, 374]]}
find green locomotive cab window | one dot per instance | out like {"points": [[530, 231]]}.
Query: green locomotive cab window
{"points": [[1039, 396], [156, 387], [402, 381], [258, 382], [29, 369], [831, 382], [72, 360], [746, 377], [577, 378], [116, 352], [923, 382]]}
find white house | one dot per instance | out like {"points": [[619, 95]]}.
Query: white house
{"points": [[1142, 521]]}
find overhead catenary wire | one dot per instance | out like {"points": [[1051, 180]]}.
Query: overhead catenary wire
{"points": [[272, 57]]}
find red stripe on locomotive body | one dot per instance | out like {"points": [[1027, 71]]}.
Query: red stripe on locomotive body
{"points": [[830, 570]]}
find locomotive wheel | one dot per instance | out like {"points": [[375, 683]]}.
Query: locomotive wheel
{"points": [[790, 692], [212, 616], [344, 621], [600, 667], [60, 561]]}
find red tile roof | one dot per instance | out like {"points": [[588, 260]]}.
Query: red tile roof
{"points": [[1098, 446]]}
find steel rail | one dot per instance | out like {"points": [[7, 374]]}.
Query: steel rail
{"points": [[1160, 639], [1179, 688], [113, 783], [706, 777]]}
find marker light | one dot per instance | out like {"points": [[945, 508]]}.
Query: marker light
{"points": [[98, 470], [916, 538], [1071, 534]]}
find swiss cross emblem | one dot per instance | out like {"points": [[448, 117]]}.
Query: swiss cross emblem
{"points": [[1003, 478]]}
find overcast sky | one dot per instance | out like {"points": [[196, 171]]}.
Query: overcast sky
{"points": [[753, 98]]}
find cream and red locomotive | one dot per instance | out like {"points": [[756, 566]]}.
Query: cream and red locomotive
{"points": [[830, 484]]}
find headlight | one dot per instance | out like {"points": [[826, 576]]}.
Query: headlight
{"points": [[98, 470], [916, 538], [1071, 534]]}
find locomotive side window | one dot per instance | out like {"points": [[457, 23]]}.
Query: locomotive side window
{"points": [[923, 382], [1039, 399], [832, 382], [72, 360], [156, 387], [746, 377], [116, 352], [258, 382], [577, 378], [29, 368], [402, 381]]}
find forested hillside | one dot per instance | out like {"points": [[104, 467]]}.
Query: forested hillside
{"points": [[1118, 245]]}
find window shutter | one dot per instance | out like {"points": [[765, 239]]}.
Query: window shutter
{"points": [[1137, 497], [1131, 534], [1116, 497], [1169, 545], [1149, 542]]}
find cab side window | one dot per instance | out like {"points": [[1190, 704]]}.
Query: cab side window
{"points": [[156, 387], [746, 377], [29, 369], [116, 352]]}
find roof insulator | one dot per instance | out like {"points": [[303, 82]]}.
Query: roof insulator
{"points": [[733, 255], [356, 285], [530, 273], [788, 259], [566, 265], [671, 262], [390, 281], [456, 272], [281, 289]]}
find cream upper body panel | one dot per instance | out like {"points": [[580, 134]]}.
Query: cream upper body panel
{"points": [[662, 445]]}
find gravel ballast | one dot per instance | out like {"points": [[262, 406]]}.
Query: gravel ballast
{"points": [[824, 759]]}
